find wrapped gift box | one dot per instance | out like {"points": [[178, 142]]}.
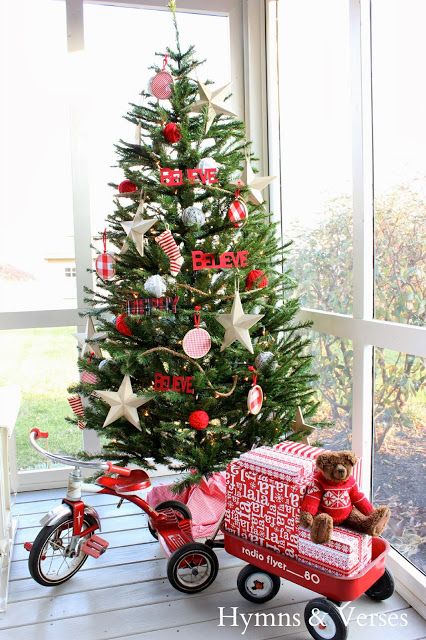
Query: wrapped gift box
{"points": [[345, 555], [263, 498], [304, 451], [268, 458]]}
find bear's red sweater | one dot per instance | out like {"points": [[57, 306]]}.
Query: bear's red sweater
{"points": [[336, 499]]}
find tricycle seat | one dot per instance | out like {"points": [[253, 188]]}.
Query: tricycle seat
{"points": [[135, 482]]}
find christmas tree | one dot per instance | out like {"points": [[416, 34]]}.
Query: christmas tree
{"points": [[195, 307]]}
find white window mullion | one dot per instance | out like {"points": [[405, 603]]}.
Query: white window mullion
{"points": [[363, 228], [80, 171]]}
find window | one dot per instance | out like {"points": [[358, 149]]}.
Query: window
{"points": [[35, 183], [67, 86], [352, 191]]}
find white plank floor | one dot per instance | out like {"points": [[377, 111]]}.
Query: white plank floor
{"points": [[125, 593]]}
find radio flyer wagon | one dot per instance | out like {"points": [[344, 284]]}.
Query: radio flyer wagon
{"points": [[260, 581]]}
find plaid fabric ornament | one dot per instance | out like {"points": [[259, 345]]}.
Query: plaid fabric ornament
{"points": [[172, 251], [144, 306], [105, 263], [197, 342], [255, 395], [237, 212], [161, 84], [76, 405]]}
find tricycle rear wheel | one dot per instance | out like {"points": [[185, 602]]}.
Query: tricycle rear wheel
{"points": [[257, 585], [383, 588], [177, 506], [192, 568], [324, 621]]}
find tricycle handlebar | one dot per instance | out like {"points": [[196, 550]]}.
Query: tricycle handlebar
{"points": [[35, 434]]}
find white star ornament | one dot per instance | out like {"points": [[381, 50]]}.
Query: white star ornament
{"points": [[136, 230], [214, 101], [255, 183], [236, 324], [123, 403], [84, 339]]}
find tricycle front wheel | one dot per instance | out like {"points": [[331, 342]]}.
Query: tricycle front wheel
{"points": [[383, 588], [324, 621], [256, 585], [192, 568], [50, 562]]}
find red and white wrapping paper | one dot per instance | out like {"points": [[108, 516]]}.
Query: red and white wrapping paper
{"points": [[345, 555], [305, 451], [263, 499], [268, 458], [206, 502]]}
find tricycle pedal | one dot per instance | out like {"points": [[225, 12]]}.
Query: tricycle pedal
{"points": [[95, 546]]}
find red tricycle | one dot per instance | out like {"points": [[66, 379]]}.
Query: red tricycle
{"points": [[68, 535]]}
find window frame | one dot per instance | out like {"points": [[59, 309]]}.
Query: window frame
{"points": [[361, 327]]}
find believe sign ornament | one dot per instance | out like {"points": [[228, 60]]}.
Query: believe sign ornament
{"points": [[181, 384], [227, 260]]}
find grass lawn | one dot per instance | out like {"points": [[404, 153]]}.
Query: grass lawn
{"points": [[43, 362]]}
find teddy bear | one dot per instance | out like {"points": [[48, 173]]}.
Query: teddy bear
{"points": [[333, 498]]}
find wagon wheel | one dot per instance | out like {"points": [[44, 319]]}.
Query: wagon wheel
{"points": [[192, 568], [383, 588], [256, 585], [181, 509], [324, 621]]}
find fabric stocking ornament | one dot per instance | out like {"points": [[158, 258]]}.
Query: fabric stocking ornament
{"points": [[171, 249]]}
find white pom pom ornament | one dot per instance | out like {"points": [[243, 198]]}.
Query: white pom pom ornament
{"points": [[193, 217], [156, 286], [207, 163], [265, 361]]}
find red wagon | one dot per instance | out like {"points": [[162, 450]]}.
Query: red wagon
{"points": [[260, 581]]}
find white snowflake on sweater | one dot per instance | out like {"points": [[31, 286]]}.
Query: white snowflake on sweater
{"points": [[336, 499]]}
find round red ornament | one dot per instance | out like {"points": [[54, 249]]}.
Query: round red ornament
{"points": [[199, 419], [105, 263], [237, 212], [121, 326], [172, 133], [256, 279], [197, 342], [127, 186], [161, 85]]}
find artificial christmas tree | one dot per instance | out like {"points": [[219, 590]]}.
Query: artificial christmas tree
{"points": [[176, 239]]}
